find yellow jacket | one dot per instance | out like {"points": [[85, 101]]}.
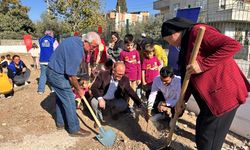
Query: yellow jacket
{"points": [[6, 85], [161, 54]]}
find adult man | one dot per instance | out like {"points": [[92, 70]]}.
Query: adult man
{"points": [[110, 90], [18, 71], [61, 73], [166, 90], [47, 45]]}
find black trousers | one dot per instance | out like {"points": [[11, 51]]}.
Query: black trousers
{"points": [[211, 130]]}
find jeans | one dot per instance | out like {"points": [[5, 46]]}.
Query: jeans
{"points": [[65, 101], [43, 78], [115, 106], [21, 79]]}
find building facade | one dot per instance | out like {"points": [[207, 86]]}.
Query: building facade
{"points": [[121, 20], [231, 17]]}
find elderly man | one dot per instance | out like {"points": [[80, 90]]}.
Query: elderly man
{"points": [[61, 73], [110, 90]]}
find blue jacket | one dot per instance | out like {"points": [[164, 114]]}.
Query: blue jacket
{"points": [[46, 46], [12, 68]]}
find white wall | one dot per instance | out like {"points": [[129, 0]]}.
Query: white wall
{"points": [[13, 49]]}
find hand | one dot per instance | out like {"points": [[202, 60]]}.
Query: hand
{"points": [[162, 106], [24, 69], [193, 68], [111, 45], [102, 103]]}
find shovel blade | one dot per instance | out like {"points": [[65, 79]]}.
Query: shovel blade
{"points": [[106, 137]]}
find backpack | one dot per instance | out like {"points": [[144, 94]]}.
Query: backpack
{"points": [[5, 84]]}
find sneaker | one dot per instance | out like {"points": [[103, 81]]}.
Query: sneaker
{"points": [[157, 117], [27, 83], [8, 97], [40, 93], [80, 133]]}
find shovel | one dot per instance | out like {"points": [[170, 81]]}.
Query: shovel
{"points": [[106, 137], [185, 83]]}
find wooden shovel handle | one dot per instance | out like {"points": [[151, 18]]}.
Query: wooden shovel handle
{"points": [[186, 81], [92, 112]]}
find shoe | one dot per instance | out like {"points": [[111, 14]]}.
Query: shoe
{"points": [[27, 83], [80, 133], [40, 93], [59, 127], [8, 97]]}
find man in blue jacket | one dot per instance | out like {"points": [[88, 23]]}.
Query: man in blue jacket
{"points": [[18, 71], [47, 45]]}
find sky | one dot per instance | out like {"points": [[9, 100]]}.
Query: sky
{"points": [[37, 7]]}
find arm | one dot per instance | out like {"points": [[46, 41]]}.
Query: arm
{"points": [[143, 67], [132, 93], [10, 74], [75, 84], [100, 51], [138, 66], [153, 93], [143, 78], [218, 47]]}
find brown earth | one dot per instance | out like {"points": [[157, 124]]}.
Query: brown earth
{"points": [[26, 123]]}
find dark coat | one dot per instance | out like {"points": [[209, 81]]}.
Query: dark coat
{"points": [[101, 84]]}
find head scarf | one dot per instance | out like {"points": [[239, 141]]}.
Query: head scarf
{"points": [[174, 25]]}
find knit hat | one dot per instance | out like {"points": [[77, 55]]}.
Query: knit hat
{"points": [[174, 25]]}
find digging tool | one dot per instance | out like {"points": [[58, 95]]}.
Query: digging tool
{"points": [[181, 101], [106, 137]]}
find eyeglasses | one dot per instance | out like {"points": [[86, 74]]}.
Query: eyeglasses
{"points": [[92, 45]]}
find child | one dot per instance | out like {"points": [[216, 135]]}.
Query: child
{"points": [[35, 51], [4, 62], [131, 58], [84, 83], [150, 67], [6, 87], [8, 58]]}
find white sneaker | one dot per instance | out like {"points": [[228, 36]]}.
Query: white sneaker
{"points": [[26, 83], [40, 93], [157, 117]]}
